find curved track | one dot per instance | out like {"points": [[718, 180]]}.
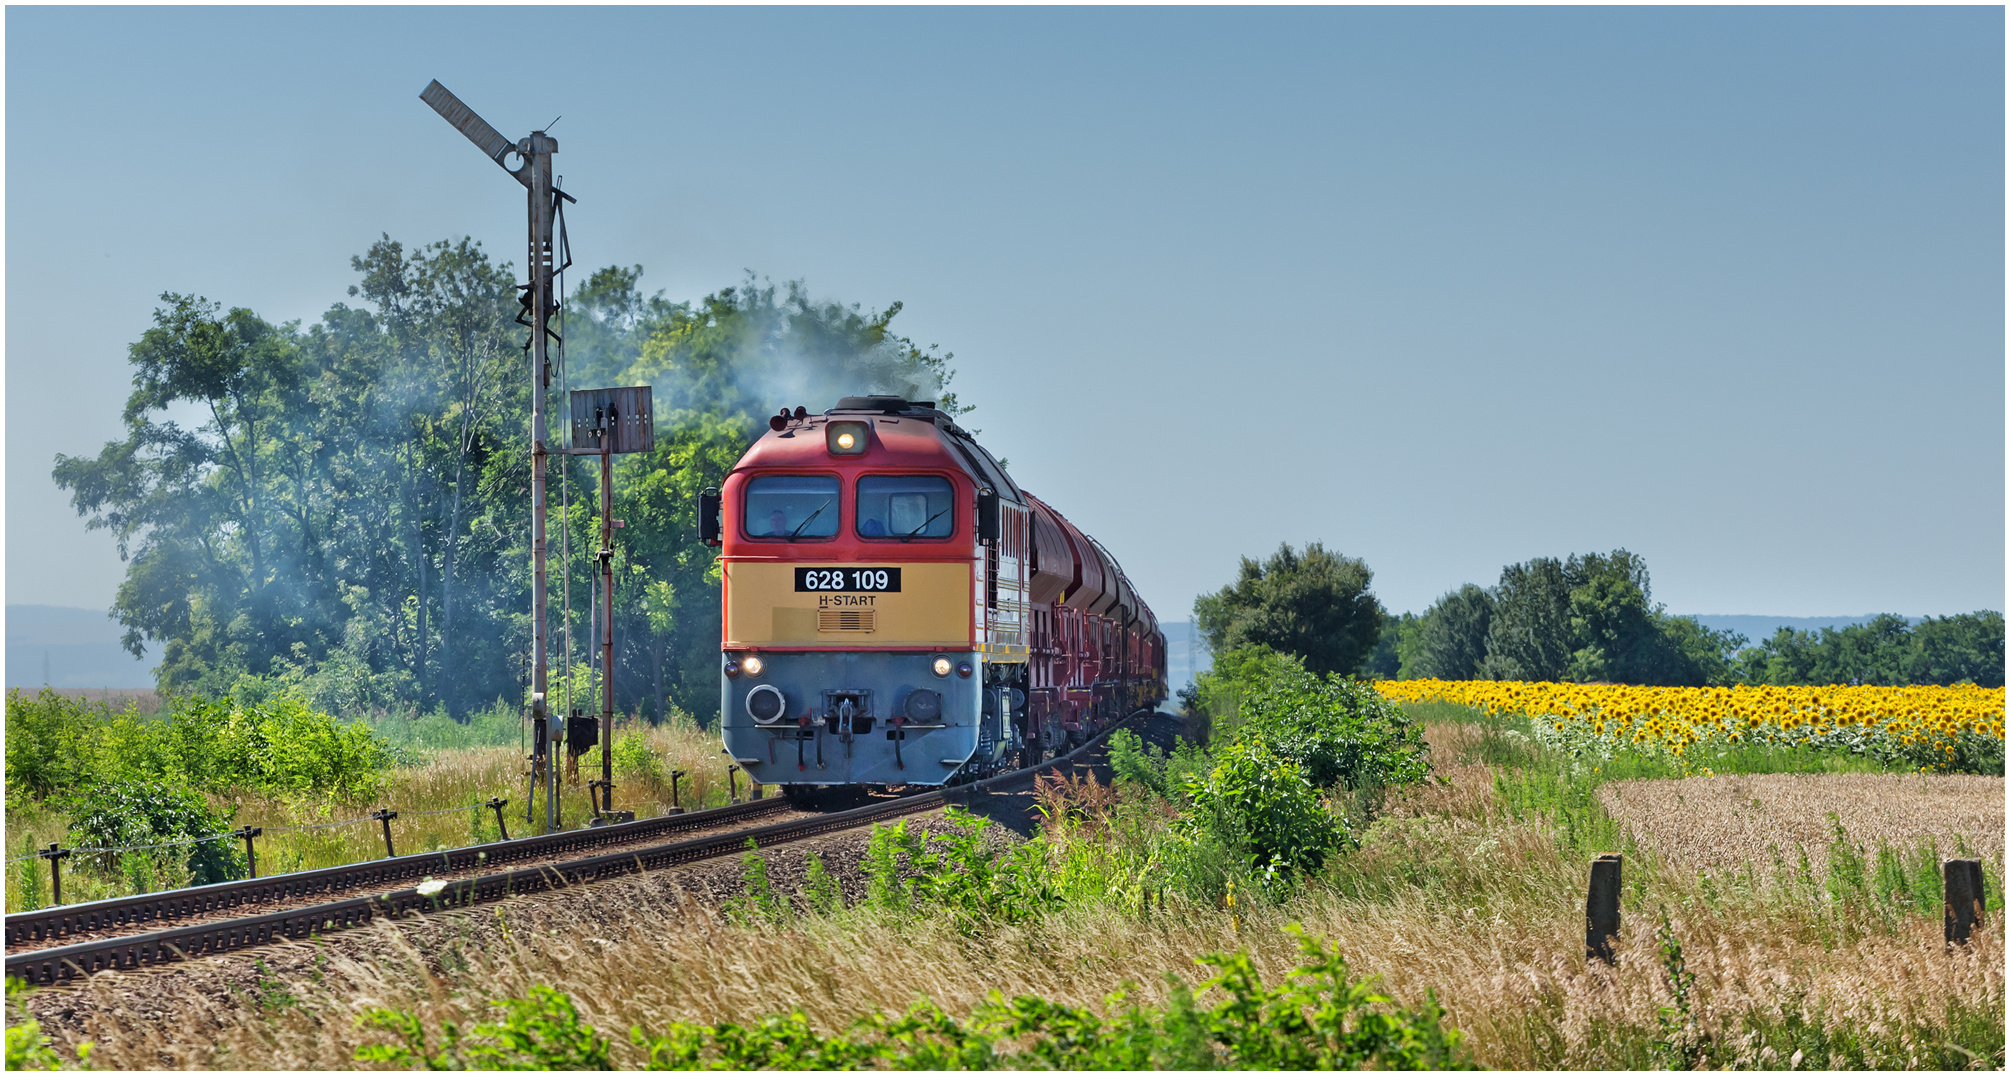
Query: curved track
{"points": [[64, 962], [30, 930]]}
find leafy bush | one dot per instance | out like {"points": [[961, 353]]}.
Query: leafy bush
{"points": [[1237, 673], [635, 760], [540, 1032], [957, 873], [279, 745], [1342, 731], [56, 746], [1318, 1018], [53, 743], [1140, 763], [1260, 803], [119, 814], [758, 901]]}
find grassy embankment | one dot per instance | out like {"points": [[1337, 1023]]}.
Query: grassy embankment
{"points": [[1826, 954], [436, 774]]}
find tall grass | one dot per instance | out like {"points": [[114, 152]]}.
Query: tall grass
{"points": [[439, 792], [1472, 887]]}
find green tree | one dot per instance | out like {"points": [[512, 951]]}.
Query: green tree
{"points": [[1967, 648], [349, 514], [1613, 636], [1449, 642], [221, 544], [1314, 604], [1529, 636]]}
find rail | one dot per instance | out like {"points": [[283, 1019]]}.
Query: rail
{"points": [[66, 962], [116, 912]]}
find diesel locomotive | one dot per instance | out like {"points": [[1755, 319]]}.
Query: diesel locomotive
{"points": [[898, 612]]}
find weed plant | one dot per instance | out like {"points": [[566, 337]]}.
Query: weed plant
{"points": [[85, 775], [1318, 1017]]}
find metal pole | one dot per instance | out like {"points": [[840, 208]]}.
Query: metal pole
{"points": [[607, 606], [496, 804], [384, 815], [250, 853], [537, 151], [55, 854]]}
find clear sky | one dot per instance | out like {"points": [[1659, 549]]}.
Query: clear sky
{"points": [[1442, 288]]}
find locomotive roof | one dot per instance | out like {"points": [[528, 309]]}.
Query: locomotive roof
{"points": [[905, 435]]}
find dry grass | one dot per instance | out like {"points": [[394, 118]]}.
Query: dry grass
{"points": [[1718, 822], [438, 800], [1494, 927]]}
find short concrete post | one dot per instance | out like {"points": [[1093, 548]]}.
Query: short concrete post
{"points": [[1601, 907], [1961, 884]]}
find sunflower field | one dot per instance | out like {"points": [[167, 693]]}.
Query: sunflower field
{"points": [[1932, 729]]}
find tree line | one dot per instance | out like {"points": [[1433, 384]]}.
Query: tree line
{"points": [[344, 506], [1585, 618]]}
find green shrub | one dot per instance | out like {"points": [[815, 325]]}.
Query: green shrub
{"points": [[1320, 1017], [56, 746], [1143, 764], [54, 743], [1261, 803], [27, 1047], [957, 873], [540, 1032], [1342, 731], [278, 745], [635, 760], [122, 814], [758, 902]]}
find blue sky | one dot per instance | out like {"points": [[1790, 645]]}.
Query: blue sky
{"points": [[1442, 288]]}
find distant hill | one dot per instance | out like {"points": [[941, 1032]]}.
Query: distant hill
{"points": [[68, 647], [1760, 628]]}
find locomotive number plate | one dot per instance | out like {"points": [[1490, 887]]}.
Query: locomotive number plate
{"points": [[863, 580]]}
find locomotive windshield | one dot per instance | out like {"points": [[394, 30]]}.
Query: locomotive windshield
{"points": [[791, 506], [905, 506]]}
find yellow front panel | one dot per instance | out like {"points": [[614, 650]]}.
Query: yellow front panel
{"points": [[763, 608]]}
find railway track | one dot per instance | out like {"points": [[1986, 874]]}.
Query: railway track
{"points": [[60, 963], [51, 926]]}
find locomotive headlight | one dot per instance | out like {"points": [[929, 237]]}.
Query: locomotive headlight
{"points": [[732, 667], [845, 438], [942, 666], [964, 670], [766, 704], [753, 664]]}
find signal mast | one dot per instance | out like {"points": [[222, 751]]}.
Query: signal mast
{"points": [[604, 422]]}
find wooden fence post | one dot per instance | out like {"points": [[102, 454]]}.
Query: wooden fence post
{"points": [[1601, 908], [1961, 886]]}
